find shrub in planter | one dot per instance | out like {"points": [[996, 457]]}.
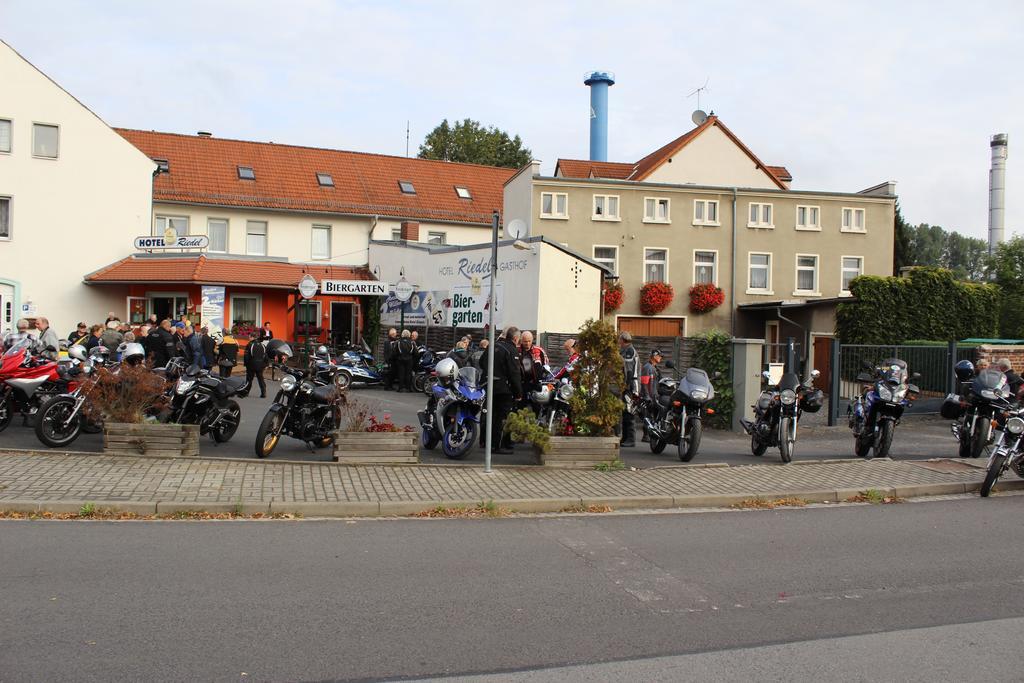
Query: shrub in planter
{"points": [[613, 295], [522, 426], [598, 378], [127, 396], [655, 297], [365, 439], [705, 297]]}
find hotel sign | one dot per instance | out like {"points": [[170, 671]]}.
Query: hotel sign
{"points": [[354, 287], [183, 242]]}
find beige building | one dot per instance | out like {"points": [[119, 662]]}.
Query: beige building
{"points": [[705, 209]]}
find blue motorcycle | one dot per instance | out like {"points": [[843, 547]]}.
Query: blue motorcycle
{"points": [[452, 414], [876, 412]]}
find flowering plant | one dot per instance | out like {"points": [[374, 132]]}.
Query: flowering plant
{"points": [[655, 297], [613, 296], [705, 297], [385, 425], [243, 330]]}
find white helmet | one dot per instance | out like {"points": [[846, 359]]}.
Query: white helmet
{"points": [[542, 395], [446, 369], [77, 351], [133, 353]]}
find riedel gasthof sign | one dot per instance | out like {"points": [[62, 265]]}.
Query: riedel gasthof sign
{"points": [[183, 242], [354, 287]]}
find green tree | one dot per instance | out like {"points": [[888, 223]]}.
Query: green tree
{"points": [[471, 143], [1006, 268], [966, 256], [901, 254]]}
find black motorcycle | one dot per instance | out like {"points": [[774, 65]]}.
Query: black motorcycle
{"points": [[677, 416], [1008, 452], [874, 414], [305, 408], [777, 413], [200, 398], [986, 398]]}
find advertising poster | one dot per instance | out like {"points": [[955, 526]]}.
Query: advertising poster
{"points": [[212, 308], [423, 309], [469, 306]]}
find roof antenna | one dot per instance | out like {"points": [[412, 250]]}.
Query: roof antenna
{"points": [[407, 138], [697, 91]]}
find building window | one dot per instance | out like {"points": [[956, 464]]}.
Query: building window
{"points": [[324, 180], [705, 269], [705, 212], [808, 218], [308, 317], [853, 220], [656, 265], [217, 231], [853, 266], [5, 135], [396, 234], [45, 140], [606, 207], [607, 257], [760, 216], [162, 165], [321, 242], [5, 218], [806, 274], [256, 238], [179, 224], [437, 238], [246, 173], [245, 312], [463, 192], [406, 187], [760, 273], [656, 210], [554, 205]]}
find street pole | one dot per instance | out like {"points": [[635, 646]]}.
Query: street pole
{"points": [[490, 345]]}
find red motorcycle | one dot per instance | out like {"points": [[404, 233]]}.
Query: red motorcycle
{"points": [[27, 383]]}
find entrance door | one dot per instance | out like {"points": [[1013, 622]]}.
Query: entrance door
{"points": [[170, 306], [342, 323], [823, 363], [6, 308], [773, 347]]}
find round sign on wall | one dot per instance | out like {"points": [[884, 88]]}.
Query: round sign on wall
{"points": [[403, 290], [307, 286]]}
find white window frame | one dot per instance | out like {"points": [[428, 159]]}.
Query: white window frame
{"points": [[810, 227], [442, 235], [167, 216], [843, 291], [853, 214], [554, 215], [246, 295], [594, 215], [321, 176], [227, 234], [330, 236], [396, 234], [463, 192], [10, 124], [266, 237], [760, 222], [750, 267], [615, 265], [33, 141], [817, 276], [714, 266], [10, 218], [653, 218], [650, 262], [315, 303], [704, 203]]}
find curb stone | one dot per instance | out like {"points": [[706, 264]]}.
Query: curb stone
{"points": [[327, 509]]}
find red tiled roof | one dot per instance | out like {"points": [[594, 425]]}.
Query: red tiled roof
{"points": [[204, 170], [581, 168], [781, 173], [215, 271]]}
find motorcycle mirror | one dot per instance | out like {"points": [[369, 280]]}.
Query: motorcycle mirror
{"points": [[916, 375], [815, 374], [716, 374], [670, 365], [766, 374], [866, 365]]}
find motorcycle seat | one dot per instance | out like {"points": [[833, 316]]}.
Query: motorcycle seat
{"points": [[325, 394], [233, 384]]}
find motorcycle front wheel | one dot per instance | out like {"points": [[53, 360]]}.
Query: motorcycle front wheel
{"points": [[690, 442], [458, 440], [995, 470], [884, 444], [862, 446], [757, 447], [53, 427], [787, 440], [269, 433], [657, 445], [428, 438], [228, 425], [982, 433]]}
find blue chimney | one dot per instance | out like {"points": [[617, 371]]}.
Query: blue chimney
{"points": [[599, 82]]}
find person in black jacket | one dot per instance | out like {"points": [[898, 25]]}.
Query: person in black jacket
{"points": [[631, 363], [391, 356], [256, 362], [160, 344], [507, 387], [404, 355], [209, 347]]}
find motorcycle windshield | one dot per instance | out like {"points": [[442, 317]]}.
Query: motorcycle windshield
{"points": [[470, 377], [989, 379], [894, 374], [789, 381], [18, 347]]}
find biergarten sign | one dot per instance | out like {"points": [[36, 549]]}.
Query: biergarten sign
{"points": [[354, 287], [307, 286], [183, 242]]}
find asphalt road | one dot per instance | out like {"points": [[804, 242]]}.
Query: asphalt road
{"points": [[348, 600], [918, 437]]}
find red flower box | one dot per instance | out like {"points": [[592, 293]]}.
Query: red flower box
{"points": [[705, 297], [655, 297], [613, 295]]}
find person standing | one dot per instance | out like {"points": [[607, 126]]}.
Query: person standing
{"points": [[391, 357], [507, 387], [95, 336], [265, 332], [476, 358], [160, 344], [534, 362], [406, 351], [256, 362], [209, 347], [631, 367], [227, 355], [111, 338], [650, 375], [79, 335], [570, 350], [20, 336], [48, 345], [460, 354]]}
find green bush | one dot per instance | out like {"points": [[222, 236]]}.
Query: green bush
{"points": [[599, 374], [522, 426], [713, 353], [929, 304]]}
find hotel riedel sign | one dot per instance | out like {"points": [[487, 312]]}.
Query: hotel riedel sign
{"points": [[172, 242]]}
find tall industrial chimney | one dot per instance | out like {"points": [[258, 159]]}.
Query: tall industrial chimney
{"points": [[599, 81], [997, 191]]}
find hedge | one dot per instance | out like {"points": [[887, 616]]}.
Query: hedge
{"points": [[929, 304], [713, 353]]}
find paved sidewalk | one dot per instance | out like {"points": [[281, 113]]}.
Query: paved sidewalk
{"points": [[62, 482]]}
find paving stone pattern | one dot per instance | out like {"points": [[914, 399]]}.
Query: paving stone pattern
{"points": [[55, 477]]}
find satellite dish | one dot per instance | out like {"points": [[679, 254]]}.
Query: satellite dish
{"points": [[516, 229], [699, 117]]}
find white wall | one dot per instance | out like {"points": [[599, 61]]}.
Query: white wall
{"points": [[518, 196], [712, 159], [570, 293], [70, 215]]}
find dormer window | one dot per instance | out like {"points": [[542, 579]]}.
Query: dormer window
{"points": [[407, 187], [463, 192], [246, 173], [324, 180], [162, 165]]}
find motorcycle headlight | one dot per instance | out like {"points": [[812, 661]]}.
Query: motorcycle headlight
{"points": [[989, 394], [899, 394], [288, 383], [884, 392], [183, 385], [565, 392], [700, 394], [787, 397], [1015, 425]]}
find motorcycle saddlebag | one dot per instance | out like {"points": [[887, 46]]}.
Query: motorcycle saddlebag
{"points": [[812, 401], [951, 408]]}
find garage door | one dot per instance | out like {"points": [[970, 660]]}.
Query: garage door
{"points": [[652, 327]]}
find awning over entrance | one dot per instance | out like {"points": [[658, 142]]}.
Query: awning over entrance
{"points": [[793, 303]]}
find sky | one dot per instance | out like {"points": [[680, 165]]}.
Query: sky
{"points": [[845, 95]]}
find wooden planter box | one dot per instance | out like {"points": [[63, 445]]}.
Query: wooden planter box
{"points": [[151, 439], [377, 448], [580, 452]]}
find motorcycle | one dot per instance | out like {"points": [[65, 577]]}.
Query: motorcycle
{"points": [[27, 383], [874, 414], [551, 404], [305, 408], [60, 420], [1007, 454], [452, 414], [323, 368], [677, 415], [357, 366], [777, 413], [422, 375], [205, 400], [985, 400]]}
